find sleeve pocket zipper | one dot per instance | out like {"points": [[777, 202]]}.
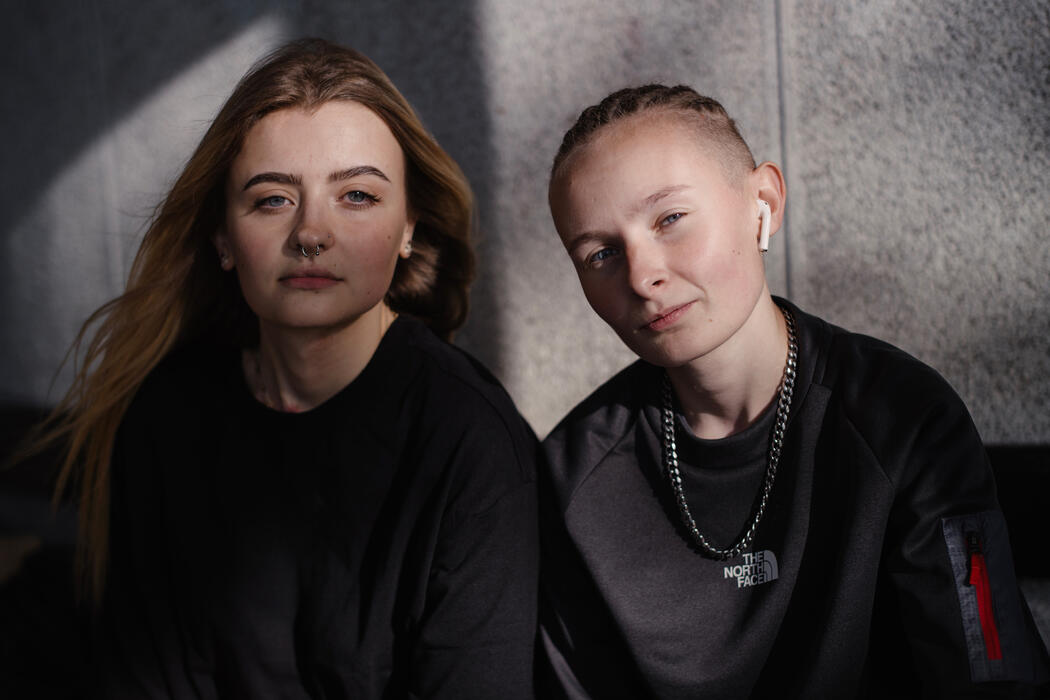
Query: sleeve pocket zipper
{"points": [[983, 590]]}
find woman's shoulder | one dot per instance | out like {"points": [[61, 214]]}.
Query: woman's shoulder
{"points": [[449, 364], [197, 363], [457, 412], [450, 381], [592, 429], [609, 408], [183, 388], [891, 398], [867, 371]]}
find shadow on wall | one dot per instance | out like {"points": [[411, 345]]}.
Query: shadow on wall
{"points": [[78, 69], [76, 73]]}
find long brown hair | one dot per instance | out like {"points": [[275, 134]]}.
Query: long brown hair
{"points": [[176, 290]]}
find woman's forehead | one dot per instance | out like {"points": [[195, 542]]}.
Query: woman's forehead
{"points": [[338, 134], [643, 149]]}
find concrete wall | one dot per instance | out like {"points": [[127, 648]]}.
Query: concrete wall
{"points": [[914, 139]]}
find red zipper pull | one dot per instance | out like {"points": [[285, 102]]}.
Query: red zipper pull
{"points": [[983, 590]]}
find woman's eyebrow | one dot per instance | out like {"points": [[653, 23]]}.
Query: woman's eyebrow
{"points": [[588, 236], [660, 194], [356, 171], [337, 176], [582, 239], [279, 178]]}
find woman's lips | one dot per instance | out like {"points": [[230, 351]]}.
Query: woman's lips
{"points": [[310, 278], [668, 318], [308, 282]]}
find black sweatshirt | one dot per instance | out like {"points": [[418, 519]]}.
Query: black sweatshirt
{"points": [[858, 583], [381, 545]]}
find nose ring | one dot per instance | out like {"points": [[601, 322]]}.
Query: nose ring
{"points": [[317, 250]]}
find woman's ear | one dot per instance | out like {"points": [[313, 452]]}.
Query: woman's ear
{"points": [[222, 246], [767, 184], [406, 239]]}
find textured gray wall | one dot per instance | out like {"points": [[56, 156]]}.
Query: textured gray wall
{"points": [[918, 142], [914, 138]]}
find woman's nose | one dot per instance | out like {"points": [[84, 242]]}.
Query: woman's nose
{"points": [[646, 270], [313, 233]]}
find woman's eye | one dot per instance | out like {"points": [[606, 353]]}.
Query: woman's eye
{"points": [[670, 219], [273, 202], [601, 256], [359, 197]]}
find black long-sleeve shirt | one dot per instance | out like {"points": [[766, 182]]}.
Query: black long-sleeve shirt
{"points": [[860, 580], [381, 545]]}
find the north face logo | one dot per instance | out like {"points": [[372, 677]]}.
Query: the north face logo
{"points": [[757, 567]]}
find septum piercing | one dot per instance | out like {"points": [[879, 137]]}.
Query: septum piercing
{"points": [[317, 251]]}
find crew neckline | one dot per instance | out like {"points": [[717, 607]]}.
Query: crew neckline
{"points": [[379, 368]]}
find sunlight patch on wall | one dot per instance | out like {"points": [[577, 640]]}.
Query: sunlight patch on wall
{"points": [[86, 226]]}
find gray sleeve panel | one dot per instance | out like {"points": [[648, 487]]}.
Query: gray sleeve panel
{"points": [[1020, 661]]}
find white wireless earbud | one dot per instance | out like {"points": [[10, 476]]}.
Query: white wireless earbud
{"points": [[764, 215]]}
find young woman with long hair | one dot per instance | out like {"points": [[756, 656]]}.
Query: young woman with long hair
{"points": [[289, 483]]}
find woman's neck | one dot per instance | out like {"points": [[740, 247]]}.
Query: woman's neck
{"points": [[295, 370], [726, 390]]}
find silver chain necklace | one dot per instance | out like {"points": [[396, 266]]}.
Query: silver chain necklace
{"points": [[787, 387]]}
